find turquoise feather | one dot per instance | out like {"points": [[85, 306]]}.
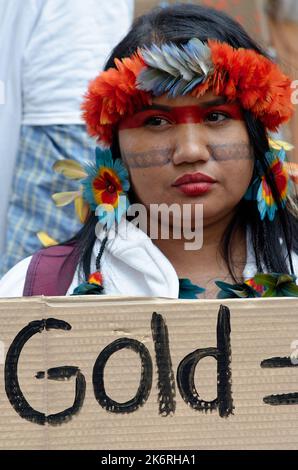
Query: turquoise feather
{"points": [[188, 290], [233, 291]]}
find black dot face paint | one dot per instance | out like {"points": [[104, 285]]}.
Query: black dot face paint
{"points": [[157, 119], [234, 151], [159, 157], [151, 158]]}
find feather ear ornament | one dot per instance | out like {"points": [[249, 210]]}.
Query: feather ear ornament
{"points": [[175, 70]]}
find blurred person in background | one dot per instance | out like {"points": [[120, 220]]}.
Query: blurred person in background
{"points": [[50, 49], [284, 9], [283, 30]]}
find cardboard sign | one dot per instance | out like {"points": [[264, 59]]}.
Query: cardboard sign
{"points": [[143, 373], [249, 14]]}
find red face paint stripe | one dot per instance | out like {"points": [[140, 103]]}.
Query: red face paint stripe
{"points": [[181, 115]]}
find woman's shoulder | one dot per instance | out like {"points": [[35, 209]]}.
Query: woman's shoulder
{"points": [[295, 262], [49, 272], [251, 269], [13, 282]]}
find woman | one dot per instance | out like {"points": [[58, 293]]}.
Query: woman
{"points": [[185, 105]]}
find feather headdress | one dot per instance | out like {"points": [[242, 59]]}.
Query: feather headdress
{"points": [[193, 68], [173, 70]]}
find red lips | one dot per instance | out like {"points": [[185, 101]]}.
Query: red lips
{"points": [[193, 178], [194, 184]]}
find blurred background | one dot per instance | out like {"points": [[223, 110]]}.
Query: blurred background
{"points": [[50, 49]]}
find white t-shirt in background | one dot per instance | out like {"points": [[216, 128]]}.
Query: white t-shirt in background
{"points": [[68, 46]]}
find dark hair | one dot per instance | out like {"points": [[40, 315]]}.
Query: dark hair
{"points": [[178, 24]]}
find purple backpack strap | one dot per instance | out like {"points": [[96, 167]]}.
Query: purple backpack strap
{"points": [[51, 271]]}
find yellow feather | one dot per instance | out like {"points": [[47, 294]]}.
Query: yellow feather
{"points": [[280, 144], [70, 169], [46, 240], [82, 209], [63, 199]]}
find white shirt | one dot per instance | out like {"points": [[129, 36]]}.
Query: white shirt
{"points": [[16, 22], [67, 47], [131, 265]]}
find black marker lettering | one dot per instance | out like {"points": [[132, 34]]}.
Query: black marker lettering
{"points": [[186, 371], [12, 387], [285, 398], [166, 381], [145, 383], [62, 373]]}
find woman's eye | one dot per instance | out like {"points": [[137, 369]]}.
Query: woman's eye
{"points": [[156, 121], [216, 117]]}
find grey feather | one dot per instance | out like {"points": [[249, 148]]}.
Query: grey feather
{"points": [[173, 69]]}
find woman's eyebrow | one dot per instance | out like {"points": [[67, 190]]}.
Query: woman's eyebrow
{"points": [[206, 104], [157, 107], [215, 102]]}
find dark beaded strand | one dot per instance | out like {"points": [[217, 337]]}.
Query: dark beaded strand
{"points": [[100, 253]]}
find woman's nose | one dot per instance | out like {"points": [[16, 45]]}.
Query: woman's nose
{"points": [[190, 144]]}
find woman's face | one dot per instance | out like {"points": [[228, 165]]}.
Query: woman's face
{"points": [[204, 140]]}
